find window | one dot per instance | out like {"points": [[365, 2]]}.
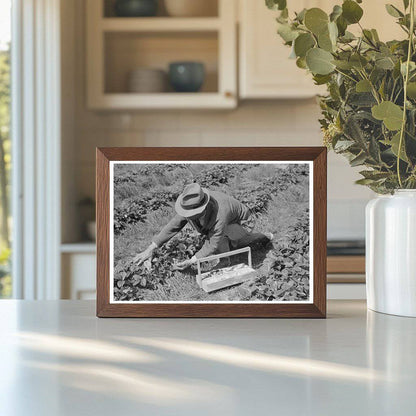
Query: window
{"points": [[5, 144]]}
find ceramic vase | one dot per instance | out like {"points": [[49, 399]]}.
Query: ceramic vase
{"points": [[391, 253]]}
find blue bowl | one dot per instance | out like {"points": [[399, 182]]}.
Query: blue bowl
{"points": [[186, 76], [136, 8]]}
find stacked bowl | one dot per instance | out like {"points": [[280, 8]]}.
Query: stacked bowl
{"points": [[147, 80], [191, 8]]}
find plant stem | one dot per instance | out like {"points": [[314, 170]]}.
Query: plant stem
{"points": [[345, 75], [406, 80], [373, 89]]}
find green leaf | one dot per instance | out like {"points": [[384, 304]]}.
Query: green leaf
{"points": [[303, 43], [363, 86], [321, 79], [301, 15], [351, 11], [394, 144], [343, 145], [364, 181], [393, 11], [341, 64], [276, 4], [301, 63], [412, 67], [325, 43], [333, 32], [316, 20], [411, 90], [358, 160], [358, 61], [286, 32], [284, 14], [374, 150], [354, 131], [319, 61], [385, 63], [391, 114], [375, 35], [347, 37], [336, 12], [368, 36], [375, 175], [342, 25], [406, 4]]}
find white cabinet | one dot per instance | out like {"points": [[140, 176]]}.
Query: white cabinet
{"points": [[118, 45], [265, 70], [78, 264]]}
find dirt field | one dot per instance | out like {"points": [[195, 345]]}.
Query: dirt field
{"points": [[144, 196]]}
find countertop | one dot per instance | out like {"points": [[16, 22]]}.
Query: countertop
{"points": [[57, 358]]}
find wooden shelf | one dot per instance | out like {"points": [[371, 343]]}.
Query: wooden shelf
{"points": [[346, 264], [159, 24], [163, 101]]}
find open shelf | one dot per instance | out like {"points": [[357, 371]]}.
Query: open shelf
{"points": [[116, 46], [127, 51], [130, 101], [160, 24]]}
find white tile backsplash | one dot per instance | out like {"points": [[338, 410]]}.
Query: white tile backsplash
{"points": [[346, 219]]}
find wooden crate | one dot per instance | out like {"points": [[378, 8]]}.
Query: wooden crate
{"points": [[226, 276]]}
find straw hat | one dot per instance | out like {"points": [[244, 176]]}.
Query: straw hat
{"points": [[192, 201]]}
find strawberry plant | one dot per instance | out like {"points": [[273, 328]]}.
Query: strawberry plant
{"points": [[287, 277], [130, 278], [130, 212]]}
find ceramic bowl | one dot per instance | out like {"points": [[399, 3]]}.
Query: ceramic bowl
{"points": [[135, 8], [186, 76], [147, 80]]}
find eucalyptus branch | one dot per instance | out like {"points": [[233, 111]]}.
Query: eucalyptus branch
{"points": [[370, 64], [405, 81]]}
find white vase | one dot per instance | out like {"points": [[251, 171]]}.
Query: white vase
{"points": [[391, 253]]}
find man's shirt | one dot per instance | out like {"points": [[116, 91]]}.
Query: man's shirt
{"points": [[222, 211]]}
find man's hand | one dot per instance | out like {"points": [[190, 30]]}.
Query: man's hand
{"points": [[185, 264], [145, 255]]}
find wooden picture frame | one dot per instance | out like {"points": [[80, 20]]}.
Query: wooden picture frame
{"points": [[315, 308]]}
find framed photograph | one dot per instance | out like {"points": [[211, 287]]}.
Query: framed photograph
{"points": [[211, 232]]}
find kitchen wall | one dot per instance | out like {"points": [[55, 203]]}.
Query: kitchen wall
{"points": [[253, 123]]}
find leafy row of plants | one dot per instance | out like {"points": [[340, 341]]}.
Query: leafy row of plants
{"points": [[131, 212], [136, 210], [217, 175], [287, 277], [369, 112], [258, 196], [130, 278]]}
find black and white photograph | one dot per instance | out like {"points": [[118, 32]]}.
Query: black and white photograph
{"points": [[210, 232]]}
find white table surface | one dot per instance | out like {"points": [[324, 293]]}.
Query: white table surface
{"points": [[57, 359]]}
